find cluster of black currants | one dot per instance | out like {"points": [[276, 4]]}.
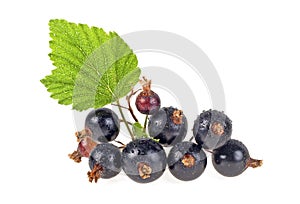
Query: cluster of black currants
{"points": [[144, 158]]}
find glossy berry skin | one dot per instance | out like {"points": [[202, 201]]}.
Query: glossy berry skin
{"points": [[212, 129], [165, 128], [231, 159], [187, 161], [104, 124], [108, 157], [147, 102], [144, 160]]}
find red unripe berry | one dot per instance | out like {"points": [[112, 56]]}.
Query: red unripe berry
{"points": [[85, 146], [147, 102]]}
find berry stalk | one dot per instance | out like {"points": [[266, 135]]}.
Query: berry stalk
{"points": [[124, 119], [145, 123], [129, 105]]}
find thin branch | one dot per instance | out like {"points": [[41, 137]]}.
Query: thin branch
{"points": [[122, 121], [121, 143], [191, 138], [129, 106], [120, 106], [145, 123], [123, 118]]}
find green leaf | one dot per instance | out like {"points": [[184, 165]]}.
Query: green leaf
{"points": [[108, 74], [93, 68], [138, 131]]}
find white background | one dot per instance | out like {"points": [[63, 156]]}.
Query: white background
{"points": [[255, 47]]}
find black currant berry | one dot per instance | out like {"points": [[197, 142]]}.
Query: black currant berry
{"points": [[233, 158], [104, 162], [168, 125], [212, 129], [85, 146], [187, 161], [147, 102], [144, 160], [104, 124]]}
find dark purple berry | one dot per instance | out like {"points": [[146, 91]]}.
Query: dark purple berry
{"points": [[212, 129], [233, 158], [104, 124], [104, 162], [144, 160], [147, 102], [168, 125], [187, 161]]}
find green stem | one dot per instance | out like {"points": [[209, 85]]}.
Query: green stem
{"points": [[120, 106], [145, 123], [122, 121], [125, 121]]}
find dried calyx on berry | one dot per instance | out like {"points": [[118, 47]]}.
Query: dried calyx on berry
{"points": [[147, 102], [187, 161]]}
